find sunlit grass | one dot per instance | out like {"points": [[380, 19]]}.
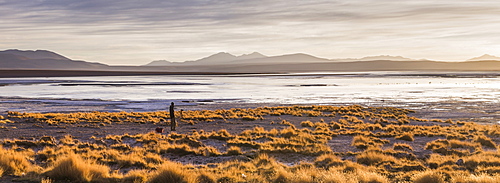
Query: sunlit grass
{"points": [[381, 144]]}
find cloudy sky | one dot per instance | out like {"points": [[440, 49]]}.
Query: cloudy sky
{"points": [[135, 32]]}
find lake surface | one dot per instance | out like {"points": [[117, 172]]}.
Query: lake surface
{"points": [[143, 92]]}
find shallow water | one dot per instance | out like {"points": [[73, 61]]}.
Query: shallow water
{"points": [[143, 92]]}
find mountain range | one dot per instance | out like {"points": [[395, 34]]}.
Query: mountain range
{"points": [[16, 60], [484, 57], [258, 58], [42, 59]]}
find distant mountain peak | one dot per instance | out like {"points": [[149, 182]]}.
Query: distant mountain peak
{"points": [[387, 57], [218, 57], [37, 54], [253, 55], [484, 57], [158, 63]]}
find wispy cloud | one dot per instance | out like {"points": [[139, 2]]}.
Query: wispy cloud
{"points": [[135, 32]]}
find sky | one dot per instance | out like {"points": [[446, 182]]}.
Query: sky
{"points": [[136, 32]]}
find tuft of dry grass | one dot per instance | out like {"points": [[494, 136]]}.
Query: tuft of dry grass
{"points": [[485, 141], [234, 150], [171, 172], [307, 124], [14, 163], [402, 147], [205, 177], [406, 136], [136, 176], [472, 178], [74, 168], [326, 161], [364, 142], [371, 177], [374, 158], [428, 177]]}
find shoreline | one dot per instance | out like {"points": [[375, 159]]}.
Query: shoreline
{"points": [[480, 111]]}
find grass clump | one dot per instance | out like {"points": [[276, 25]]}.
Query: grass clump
{"points": [[307, 124], [374, 158], [402, 147], [171, 172], [364, 142], [136, 176], [14, 163], [406, 136], [485, 141], [428, 177], [234, 150], [326, 161], [74, 168], [205, 177]]}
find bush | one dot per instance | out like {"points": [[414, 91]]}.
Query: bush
{"points": [[402, 147], [327, 160], [170, 172], [306, 124], [485, 141], [205, 177], [371, 177], [374, 158], [234, 150], [405, 136], [12, 162], [428, 177], [74, 168], [136, 176]]}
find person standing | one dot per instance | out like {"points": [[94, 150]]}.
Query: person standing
{"points": [[172, 117]]}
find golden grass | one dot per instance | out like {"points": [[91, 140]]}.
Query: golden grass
{"points": [[428, 177], [15, 163], [171, 172], [461, 151], [74, 168], [406, 136], [136, 176], [374, 158]]}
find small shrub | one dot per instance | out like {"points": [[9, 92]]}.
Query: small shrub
{"points": [[371, 177], [12, 162], [405, 136], [307, 124], [428, 177], [485, 141], [205, 177], [327, 160], [136, 176], [234, 150], [74, 168], [282, 176], [374, 158], [402, 147], [170, 172]]}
